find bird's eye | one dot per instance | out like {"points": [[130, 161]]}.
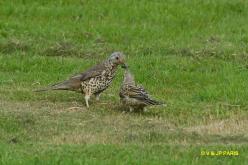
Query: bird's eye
{"points": [[117, 58]]}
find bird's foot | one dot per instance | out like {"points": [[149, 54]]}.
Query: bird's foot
{"points": [[145, 109]]}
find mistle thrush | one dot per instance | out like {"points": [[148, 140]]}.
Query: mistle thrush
{"points": [[134, 96], [94, 80]]}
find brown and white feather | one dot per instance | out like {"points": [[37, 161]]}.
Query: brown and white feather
{"points": [[133, 95], [94, 80]]}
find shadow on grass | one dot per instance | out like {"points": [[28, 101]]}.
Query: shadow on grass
{"points": [[12, 45]]}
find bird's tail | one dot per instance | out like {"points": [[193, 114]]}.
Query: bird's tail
{"points": [[65, 85]]}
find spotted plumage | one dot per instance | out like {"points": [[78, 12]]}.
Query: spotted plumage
{"points": [[134, 96], [93, 81]]}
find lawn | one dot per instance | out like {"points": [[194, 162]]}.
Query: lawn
{"points": [[191, 54]]}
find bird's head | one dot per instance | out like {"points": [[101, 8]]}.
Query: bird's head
{"points": [[128, 77], [117, 58]]}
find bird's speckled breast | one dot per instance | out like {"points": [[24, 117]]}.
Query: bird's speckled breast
{"points": [[99, 83]]}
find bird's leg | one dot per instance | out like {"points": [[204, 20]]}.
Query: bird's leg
{"points": [[131, 109], [87, 97], [97, 97]]}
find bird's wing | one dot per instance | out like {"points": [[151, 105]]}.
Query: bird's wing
{"points": [[74, 82], [137, 92], [140, 94], [92, 72]]}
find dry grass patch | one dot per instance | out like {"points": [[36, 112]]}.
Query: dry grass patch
{"points": [[234, 126], [72, 123]]}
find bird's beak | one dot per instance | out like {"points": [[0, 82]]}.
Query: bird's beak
{"points": [[124, 66]]}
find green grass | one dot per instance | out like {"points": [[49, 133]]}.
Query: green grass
{"points": [[113, 154], [190, 54]]}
